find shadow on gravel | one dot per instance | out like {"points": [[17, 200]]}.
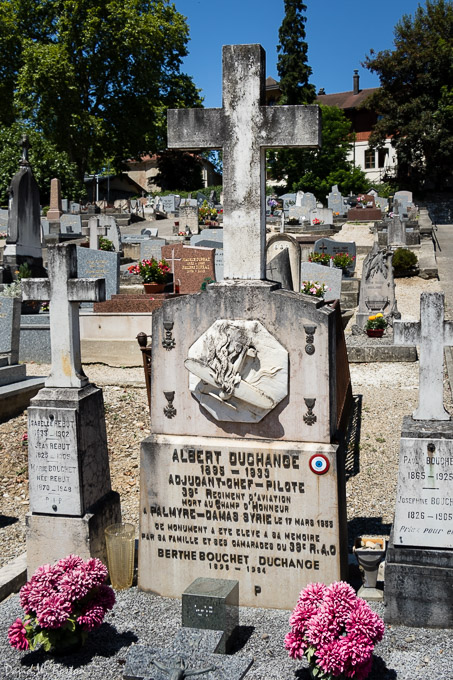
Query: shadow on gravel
{"points": [[366, 525], [105, 642], [352, 438], [6, 521], [241, 635], [378, 672]]}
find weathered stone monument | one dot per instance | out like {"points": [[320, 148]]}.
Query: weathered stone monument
{"points": [[71, 501], [241, 477], [377, 289], [419, 565], [23, 242], [16, 389], [55, 210], [275, 246]]}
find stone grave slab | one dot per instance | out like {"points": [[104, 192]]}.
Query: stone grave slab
{"points": [[188, 215], [191, 653], [112, 230], [152, 248], [278, 242], [10, 328], [208, 235], [396, 232], [100, 264], [331, 247], [169, 203], [331, 276], [218, 256], [299, 212], [336, 202], [288, 201], [190, 265], [75, 208]]}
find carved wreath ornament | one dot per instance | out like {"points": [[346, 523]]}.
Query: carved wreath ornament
{"points": [[238, 371]]}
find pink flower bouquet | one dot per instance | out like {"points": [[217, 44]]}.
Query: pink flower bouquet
{"points": [[62, 603], [335, 630]]}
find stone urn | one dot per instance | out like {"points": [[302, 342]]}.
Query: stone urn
{"points": [[369, 552]]}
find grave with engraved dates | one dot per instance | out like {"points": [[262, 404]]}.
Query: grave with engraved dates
{"points": [[241, 477]]}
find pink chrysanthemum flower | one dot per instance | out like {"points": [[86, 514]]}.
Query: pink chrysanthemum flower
{"points": [[69, 563], [329, 659], [53, 611], [17, 635], [92, 617], [322, 627], [47, 576], [313, 594], [300, 616], [296, 645], [97, 571], [76, 584], [105, 597], [365, 622]]}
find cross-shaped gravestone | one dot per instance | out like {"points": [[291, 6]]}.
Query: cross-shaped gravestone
{"points": [[244, 128], [65, 292], [172, 260], [432, 333], [95, 230]]}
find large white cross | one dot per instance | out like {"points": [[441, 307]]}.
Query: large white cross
{"points": [[244, 127], [432, 333], [64, 291]]}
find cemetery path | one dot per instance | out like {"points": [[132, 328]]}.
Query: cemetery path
{"points": [[444, 255]]}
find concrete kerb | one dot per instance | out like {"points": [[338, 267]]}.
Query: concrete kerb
{"points": [[13, 576]]}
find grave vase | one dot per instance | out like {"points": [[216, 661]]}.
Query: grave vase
{"points": [[151, 288]]}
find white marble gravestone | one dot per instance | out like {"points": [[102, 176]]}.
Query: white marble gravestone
{"points": [[71, 501], [419, 565], [240, 477], [377, 288]]}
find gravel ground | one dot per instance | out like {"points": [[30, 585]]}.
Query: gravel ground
{"points": [[383, 394]]}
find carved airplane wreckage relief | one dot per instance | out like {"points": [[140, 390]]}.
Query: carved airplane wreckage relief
{"points": [[238, 371]]}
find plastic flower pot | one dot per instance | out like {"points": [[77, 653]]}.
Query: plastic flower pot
{"points": [[375, 332], [120, 539], [151, 288]]}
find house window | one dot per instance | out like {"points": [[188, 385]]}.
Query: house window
{"points": [[369, 159], [382, 157]]}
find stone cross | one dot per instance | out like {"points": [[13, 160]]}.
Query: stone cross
{"points": [[25, 145], [94, 231], [432, 333], [65, 292], [244, 127], [173, 259]]}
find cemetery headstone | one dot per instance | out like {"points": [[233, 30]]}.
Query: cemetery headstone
{"points": [[213, 235], [149, 233], [100, 264], [112, 230], [278, 269], [402, 200], [244, 408], [299, 197], [152, 248], [188, 215], [74, 208], [169, 204], [330, 276], [71, 224], [275, 245], [320, 216], [288, 201], [23, 241], [331, 247], [218, 257], [190, 265], [419, 564], [16, 389], [336, 202], [71, 501], [396, 232], [64, 205], [377, 288], [55, 210], [299, 213], [308, 202]]}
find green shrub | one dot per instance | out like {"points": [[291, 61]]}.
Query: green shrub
{"points": [[403, 259]]}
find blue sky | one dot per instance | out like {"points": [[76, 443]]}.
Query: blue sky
{"points": [[339, 34]]}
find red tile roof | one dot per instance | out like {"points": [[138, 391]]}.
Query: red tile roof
{"points": [[346, 100]]}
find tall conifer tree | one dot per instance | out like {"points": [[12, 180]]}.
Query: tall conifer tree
{"points": [[293, 69]]}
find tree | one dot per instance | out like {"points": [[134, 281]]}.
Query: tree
{"points": [[178, 170], [317, 170], [416, 96], [46, 161], [313, 171], [292, 67], [96, 77]]}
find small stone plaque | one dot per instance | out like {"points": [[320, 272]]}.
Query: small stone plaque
{"points": [[212, 604], [152, 248], [331, 276], [54, 484], [424, 501], [71, 224], [102, 264]]}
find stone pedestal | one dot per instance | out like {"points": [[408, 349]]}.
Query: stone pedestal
{"points": [[212, 604], [419, 564], [71, 500]]}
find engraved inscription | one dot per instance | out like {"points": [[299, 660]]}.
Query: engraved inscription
{"points": [[53, 465]]}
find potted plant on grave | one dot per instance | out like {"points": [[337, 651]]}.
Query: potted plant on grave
{"points": [[335, 630], [376, 325], [343, 261], [313, 288], [154, 274], [320, 258], [62, 603]]}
